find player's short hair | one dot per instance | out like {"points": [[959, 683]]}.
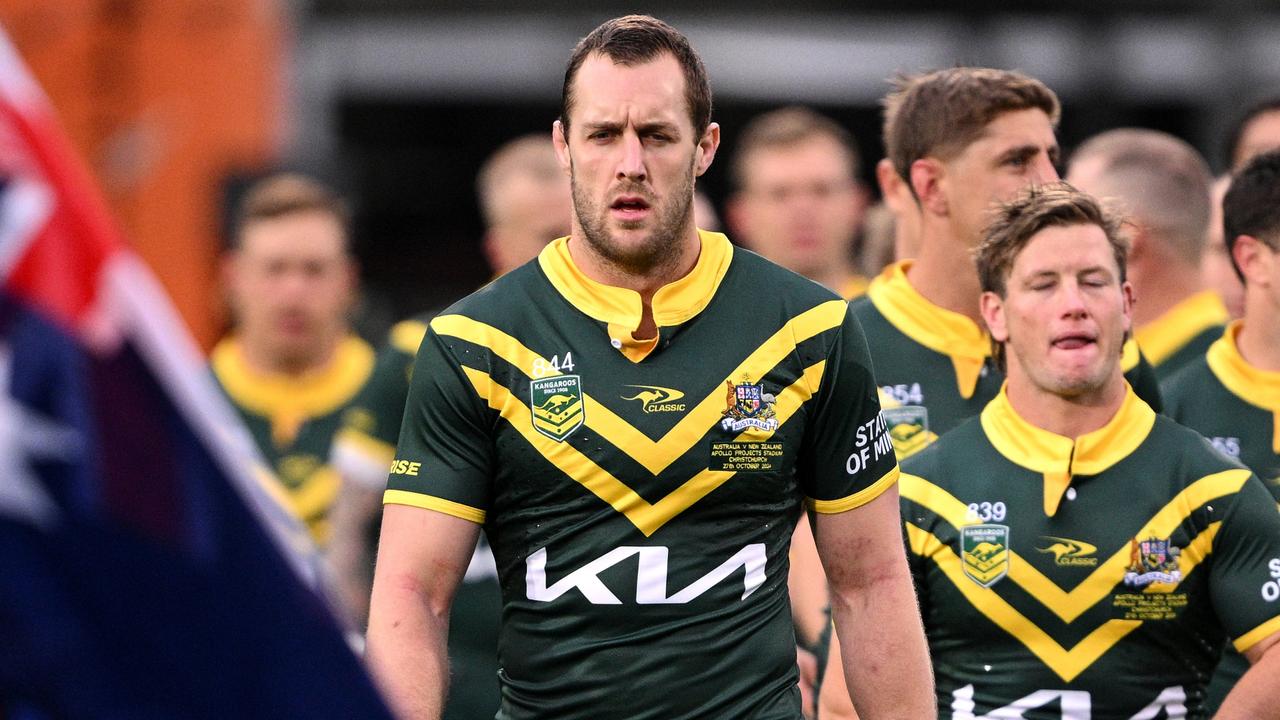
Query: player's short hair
{"points": [[528, 156], [634, 40], [1235, 135], [787, 127], [941, 113], [1034, 209], [1161, 181], [285, 194], [1252, 204]]}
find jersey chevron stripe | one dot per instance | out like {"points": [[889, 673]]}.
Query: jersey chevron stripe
{"points": [[448, 507], [1067, 663], [1070, 605], [656, 456], [647, 517]]}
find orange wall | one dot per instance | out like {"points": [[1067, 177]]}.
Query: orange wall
{"points": [[163, 98]]}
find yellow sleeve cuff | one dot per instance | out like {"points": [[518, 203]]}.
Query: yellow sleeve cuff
{"points": [[429, 502], [862, 497]]}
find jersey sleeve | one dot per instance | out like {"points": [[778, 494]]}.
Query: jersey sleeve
{"points": [[1141, 375], [366, 443], [1245, 575], [445, 457], [847, 457]]}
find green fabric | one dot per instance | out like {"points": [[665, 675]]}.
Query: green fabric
{"points": [[980, 666], [611, 645]]}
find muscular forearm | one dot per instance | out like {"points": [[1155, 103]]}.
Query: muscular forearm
{"points": [[407, 651], [886, 660]]}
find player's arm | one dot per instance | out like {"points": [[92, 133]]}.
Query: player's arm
{"points": [[356, 507], [1246, 557], [873, 604], [807, 585], [1255, 696], [833, 698], [422, 557]]}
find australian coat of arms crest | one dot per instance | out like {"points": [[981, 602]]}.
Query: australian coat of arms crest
{"points": [[1151, 561], [749, 406]]}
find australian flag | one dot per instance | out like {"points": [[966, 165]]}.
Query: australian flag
{"points": [[143, 571]]}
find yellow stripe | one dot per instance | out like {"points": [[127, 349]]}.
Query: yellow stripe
{"points": [[366, 445], [645, 516], [407, 335], [862, 497], [1066, 663], [657, 456], [1100, 582], [430, 502], [1180, 324], [1130, 355], [1257, 635], [275, 395]]}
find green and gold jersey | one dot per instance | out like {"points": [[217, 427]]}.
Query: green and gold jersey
{"points": [[934, 366], [293, 420], [1090, 578], [1237, 407], [366, 442], [640, 496], [1183, 333], [362, 452]]}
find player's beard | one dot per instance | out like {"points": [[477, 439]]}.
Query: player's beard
{"points": [[656, 252]]}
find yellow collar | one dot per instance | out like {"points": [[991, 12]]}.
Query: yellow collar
{"points": [[1259, 388], [1058, 457], [290, 400], [853, 286], [937, 328], [1168, 333], [622, 309]]}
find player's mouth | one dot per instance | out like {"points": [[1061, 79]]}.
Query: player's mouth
{"points": [[630, 207], [1076, 340]]}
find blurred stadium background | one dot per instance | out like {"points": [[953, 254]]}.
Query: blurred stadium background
{"points": [[176, 104]]}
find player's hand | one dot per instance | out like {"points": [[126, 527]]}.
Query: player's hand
{"points": [[808, 664]]}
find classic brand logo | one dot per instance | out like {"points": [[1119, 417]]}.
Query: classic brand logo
{"points": [[1070, 553], [657, 399], [557, 405], [985, 551]]}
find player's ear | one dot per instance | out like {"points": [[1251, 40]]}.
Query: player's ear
{"points": [[928, 180], [992, 308], [707, 145], [560, 141], [1251, 258], [1126, 288]]}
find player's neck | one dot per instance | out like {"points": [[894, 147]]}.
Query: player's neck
{"points": [[1259, 338], [945, 276], [1162, 287], [834, 276], [260, 357], [646, 282], [1069, 417]]}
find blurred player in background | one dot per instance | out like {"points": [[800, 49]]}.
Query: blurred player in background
{"points": [[291, 365], [524, 198], [1257, 131], [1232, 394], [1076, 554], [1161, 185], [797, 198], [1217, 266]]}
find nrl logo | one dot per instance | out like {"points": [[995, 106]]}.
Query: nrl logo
{"points": [[657, 399], [985, 552], [1070, 553], [556, 403], [749, 407], [1152, 561]]}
